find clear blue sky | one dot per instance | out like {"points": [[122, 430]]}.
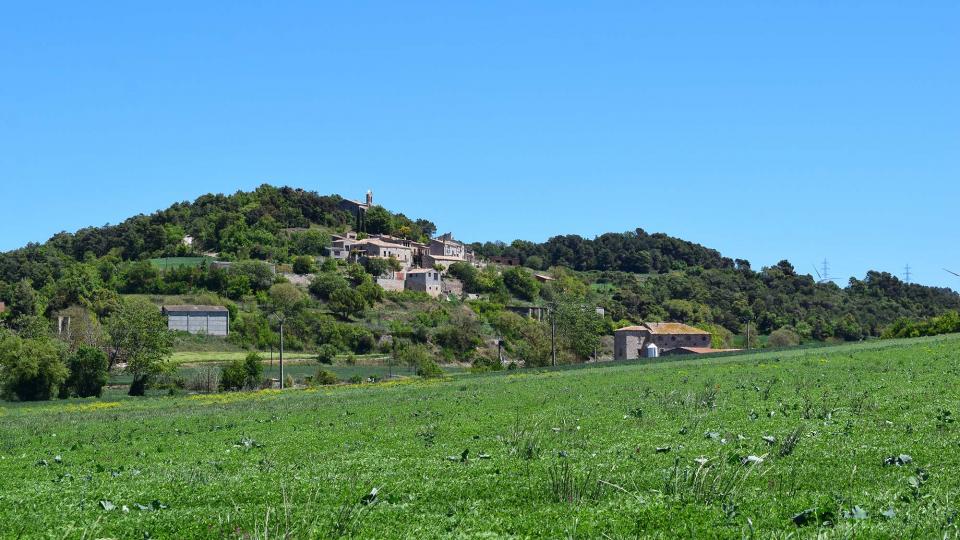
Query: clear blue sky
{"points": [[768, 130]]}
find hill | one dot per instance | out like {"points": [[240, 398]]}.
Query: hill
{"points": [[853, 441], [634, 276]]}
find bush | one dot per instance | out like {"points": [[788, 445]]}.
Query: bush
{"points": [[207, 379], [346, 302], [30, 369], [325, 284], [324, 378], [783, 337], [303, 265], [521, 284], [326, 353], [89, 372], [241, 374], [428, 369]]}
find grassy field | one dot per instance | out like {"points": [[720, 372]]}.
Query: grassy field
{"points": [[856, 441], [167, 263]]}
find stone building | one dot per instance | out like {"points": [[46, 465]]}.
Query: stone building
{"points": [[209, 320], [376, 248], [424, 280], [358, 209], [631, 342]]}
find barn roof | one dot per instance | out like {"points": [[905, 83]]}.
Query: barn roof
{"points": [[194, 308], [664, 329]]}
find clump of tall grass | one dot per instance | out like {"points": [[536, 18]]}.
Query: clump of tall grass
{"points": [[566, 484], [711, 481]]}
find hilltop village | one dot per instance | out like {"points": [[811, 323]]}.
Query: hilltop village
{"points": [[401, 264]]}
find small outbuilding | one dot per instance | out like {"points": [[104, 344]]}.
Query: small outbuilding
{"points": [[209, 320]]}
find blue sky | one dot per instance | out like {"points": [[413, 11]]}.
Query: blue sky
{"points": [[767, 130]]}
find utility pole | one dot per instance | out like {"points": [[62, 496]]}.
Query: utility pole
{"points": [[748, 335], [553, 335], [281, 354]]}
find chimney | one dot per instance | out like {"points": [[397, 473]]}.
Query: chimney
{"points": [[369, 197]]}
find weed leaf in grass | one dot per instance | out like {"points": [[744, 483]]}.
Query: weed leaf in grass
{"points": [[371, 497], [856, 513], [899, 461]]}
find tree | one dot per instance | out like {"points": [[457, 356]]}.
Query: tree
{"points": [[139, 338], [412, 355], [311, 242], [521, 284], [30, 369], [24, 300], [378, 221], [325, 283], [377, 266], [89, 372], [286, 300], [578, 325], [326, 353], [259, 274], [347, 302], [303, 265]]}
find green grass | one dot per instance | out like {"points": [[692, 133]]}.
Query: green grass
{"points": [[567, 453], [166, 263]]}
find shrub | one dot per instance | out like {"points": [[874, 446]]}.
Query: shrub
{"points": [[783, 337], [326, 353], [346, 302], [329, 265], [324, 378], [89, 372], [207, 379], [325, 284], [428, 369], [30, 369], [521, 284], [303, 265], [233, 376], [241, 374]]}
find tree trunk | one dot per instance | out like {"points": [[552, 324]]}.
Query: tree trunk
{"points": [[139, 385]]}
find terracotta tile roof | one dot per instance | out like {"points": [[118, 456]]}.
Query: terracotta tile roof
{"points": [[664, 328]]}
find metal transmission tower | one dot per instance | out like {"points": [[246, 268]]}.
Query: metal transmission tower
{"points": [[823, 273], [906, 273]]}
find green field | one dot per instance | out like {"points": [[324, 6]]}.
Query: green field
{"points": [[166, 263], [673, 449]]}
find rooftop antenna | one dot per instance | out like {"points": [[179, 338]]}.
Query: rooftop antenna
{"points": [[906, 273]]}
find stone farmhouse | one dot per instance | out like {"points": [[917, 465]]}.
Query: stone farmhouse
{"points": [[668, 338], [424, 280], [209, 320]]}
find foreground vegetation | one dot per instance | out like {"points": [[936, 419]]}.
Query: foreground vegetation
{"points": [[853, 441]]}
